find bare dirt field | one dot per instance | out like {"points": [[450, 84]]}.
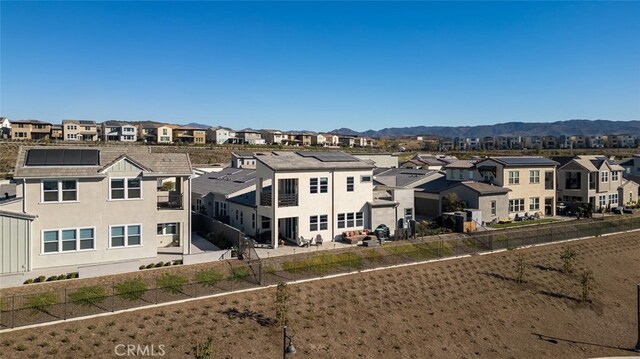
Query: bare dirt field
{"points": [[470, 307]]}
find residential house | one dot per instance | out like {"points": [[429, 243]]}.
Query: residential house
{"points": [[221, 136], [384, 160], [549, 142], [595, 141], [57, 133], [153, 132], [189, 135], [461, 170], [347, 141], [533, 142], [461, 143], [331, 139], [312, 193], [589, 179], [244, 159], [530, 179], [272, 137], [628, 192], [631, 166], [515, 143], [318, 139], [474, 143], [5, 128], [119, 131], [446, 144], [304, 138], [488, 143], [30, 130], [79, 130], [250, 136], [579, 141], [428, 161], [565, 142], [620, 141], [391, 206], [95, 210]]}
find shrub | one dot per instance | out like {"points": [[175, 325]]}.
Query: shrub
{"points": [[159, 264], [208, 277], [28, 281], [282, 299], [238, 273], [142, 267], [167, 264], [150, 265], [132, 289], [588, 283], [204, 350], [41, 279], [52, 278], [171, 283], [568, 257], [521, 268], [88, 296], [177, 262], [62, 276], [41, 302], [72, 275]]}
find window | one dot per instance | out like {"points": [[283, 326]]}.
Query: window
{"points": [[126, 188], [573, 180], [59, 191], [313, 223], [266, 222], [614, 176], [408, 214], [603, 200], [350, 218], [313, 185], [164, 132], [349, 184], [534, 176], [241, 217], [534, 203], [470, 174], [365, 178], [72, 136], [87, 128], [324, 184], [341, 220], [514, 177], [359, 219], [604, 176], [67, 240], [167, 229], [613, 199], [125, 236], [323, 222], [516, 205], [493, 208], [72, 127], [253, 220]]}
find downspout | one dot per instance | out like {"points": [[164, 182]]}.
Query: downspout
{"points": [[189, 218], [333, 206]]}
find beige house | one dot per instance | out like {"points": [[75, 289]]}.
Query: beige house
{"points": [[99, 210], [189, 135], [331, 139], [79, 130], [153, 132], [628, 192], [589, 179], [272, 137], [30, 130], [530, 179]]}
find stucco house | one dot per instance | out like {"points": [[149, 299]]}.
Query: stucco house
{"points": [[94, 210], [30, 130], [79, 130]]}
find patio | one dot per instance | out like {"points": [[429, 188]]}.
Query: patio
{"points": [[290, 248]]}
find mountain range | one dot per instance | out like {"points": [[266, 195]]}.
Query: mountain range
{"points": [[569, 127]]}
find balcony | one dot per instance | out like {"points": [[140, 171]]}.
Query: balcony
{"points": [[170, 201], [266, 199], [287, 199]]}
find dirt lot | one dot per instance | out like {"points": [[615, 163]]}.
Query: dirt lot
{"points": [[468, 307]]}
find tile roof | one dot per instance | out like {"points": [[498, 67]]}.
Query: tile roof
{"points": [[460, 164], [158, 164], [484, 188]]}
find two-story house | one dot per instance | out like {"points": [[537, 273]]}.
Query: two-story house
{"points": [[79, 130], [318, 139], [530, 179], [331, 139], [30, 130], [312, 193], [549, 142], [119, 131], [97, 210], [189, 135], [272, 137], [250, 136], [221, 135], [5, 128], [589, 179]]}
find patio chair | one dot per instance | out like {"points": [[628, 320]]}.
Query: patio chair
{"points": [[303, 242], [318, 240]]}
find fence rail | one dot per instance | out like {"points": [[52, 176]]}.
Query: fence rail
{"points": [[21, 310]]}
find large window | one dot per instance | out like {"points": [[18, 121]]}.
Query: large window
{"points": [[514, 177], [534, 203], [534, 176], [126, 188], [604, 176], [313, 223], [359, 219], [613, 199], [573, 179], [614, 176], [68, 240], [59, 190], [313, 185], [603, 200], [349, 184], [349, 220], [341, 220], [324, 222], [167, 229], [319, 185], [324, 184], [516, 205], [125, 235], [265, 222]]}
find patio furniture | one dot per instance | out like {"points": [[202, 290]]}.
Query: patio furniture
{"points": [[318, 240], [352, 237]]}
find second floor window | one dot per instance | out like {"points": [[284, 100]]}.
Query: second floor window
{"points": [[614, 176], [126, 188], [349, 184], [514, 177], [605, 177], [534, 176], [313, 185], [59, 191]]}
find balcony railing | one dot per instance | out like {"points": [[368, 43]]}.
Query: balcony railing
{"points": [[266, 199], [171, 201], [287, 199]]}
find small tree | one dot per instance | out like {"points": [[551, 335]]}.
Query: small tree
{"points": [[521, 268], [168, 186], [568, 257], [451, 203], [204, 350], [588, 283], [282, 298]]}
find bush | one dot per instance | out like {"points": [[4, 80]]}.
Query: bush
{"points": [[88, 296], [72, 275], [41, 302], [62, 276], [150, 265], [52, 278], [167, 264], [521, 268], [132, 289], [177, 262], [588, 283], [28, 281], [159, 264], [142, 267], [208, 277], [568, 257], [40, 279], [171, 283], [238, 273], [204, 350]]}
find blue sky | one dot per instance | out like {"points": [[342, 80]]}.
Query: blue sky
{"points": [[320, 65]]}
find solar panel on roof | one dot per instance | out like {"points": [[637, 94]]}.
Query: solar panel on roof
{"points": [[82, 122], [62, 157]]}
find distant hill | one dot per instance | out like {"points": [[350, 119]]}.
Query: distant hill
{"points": [[569, 127], [197, 125]]}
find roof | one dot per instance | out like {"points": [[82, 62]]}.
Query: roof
{"points": [[314, 160], [460, 164], [246, 199], [401, 177], [483, 188], [9, 190], [225, 182], [524, 161], [113, 123], [81, 122], [594, 163], [439, 183], [34, 122], [156, 164]]}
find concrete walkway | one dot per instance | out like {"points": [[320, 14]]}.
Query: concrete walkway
{"points": [[201, 245]]}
